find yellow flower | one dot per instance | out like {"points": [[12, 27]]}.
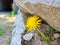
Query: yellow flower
{"points": [[33, 22]]}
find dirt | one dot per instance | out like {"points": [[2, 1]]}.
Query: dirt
{"points": [[6, 22]]}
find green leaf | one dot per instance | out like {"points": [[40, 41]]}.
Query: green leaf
{"points": [[51, 30]]}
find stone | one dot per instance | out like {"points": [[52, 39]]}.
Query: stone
{"points": [[56, 35], [28, 36], [18, 29], [48, 2]]}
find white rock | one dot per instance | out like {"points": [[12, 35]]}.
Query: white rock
{"points": [[28, 36], [16, 40], [18, 30]]}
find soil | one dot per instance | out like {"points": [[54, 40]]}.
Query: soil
{"points": [[6, 22]]}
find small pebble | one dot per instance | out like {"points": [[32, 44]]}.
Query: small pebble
{"points": [[28, 36]]}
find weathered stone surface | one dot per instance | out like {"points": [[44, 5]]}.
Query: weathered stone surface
{"points": [[49, 10], [48, 2]]}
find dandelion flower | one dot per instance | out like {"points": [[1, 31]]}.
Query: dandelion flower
{"points": [[33, 22]]}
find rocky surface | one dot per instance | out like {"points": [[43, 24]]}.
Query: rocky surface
{"points": [[48, 2]]}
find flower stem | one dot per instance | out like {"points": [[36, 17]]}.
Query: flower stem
{"points": [[43, 36]]}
